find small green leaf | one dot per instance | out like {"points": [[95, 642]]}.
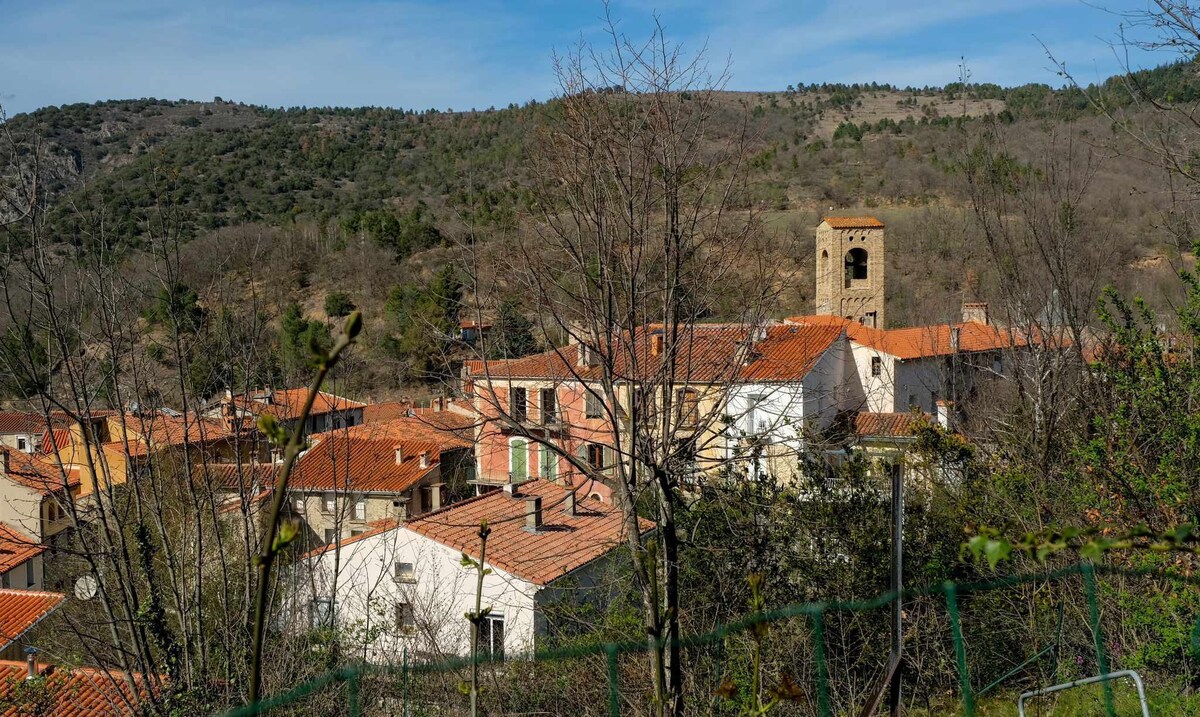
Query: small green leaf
{"points": [[353, 325], [996, 550]]}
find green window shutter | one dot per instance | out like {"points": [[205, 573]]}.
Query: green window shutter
{"points": [[549, 466], [518, 459]]}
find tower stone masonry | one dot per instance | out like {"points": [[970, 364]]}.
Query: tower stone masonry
{"points": [[850, 269]]}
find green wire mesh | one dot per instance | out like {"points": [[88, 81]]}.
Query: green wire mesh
{"points": [[815, 613]]}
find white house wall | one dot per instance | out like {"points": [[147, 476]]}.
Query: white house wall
{"points": [[878, 392], [441, 594], [920, 379]]}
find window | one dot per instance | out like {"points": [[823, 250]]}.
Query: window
{"points": [[518, 404], [298, 503], [320, 613], [426, 499], [548, 468], [329, 503], [404, 572], [549, 406], [355, 533], [330, 535], [29, 573], [876, 366], [4, 581], [360, 509], [593, 406], [933, 399], [518, 459], [595, 455], [491, 635], [856, 265], [756, 420], [870, 319], [22, 445], [912, 400], [687, 406], [404, 617]]}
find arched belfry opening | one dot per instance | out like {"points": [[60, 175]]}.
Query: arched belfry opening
{"points": [[856, 265], [857, 291]]}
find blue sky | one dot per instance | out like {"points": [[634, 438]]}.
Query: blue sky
{"points": [[422, 54]]}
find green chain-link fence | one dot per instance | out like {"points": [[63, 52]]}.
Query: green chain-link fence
{"points": [[1036, 647]]}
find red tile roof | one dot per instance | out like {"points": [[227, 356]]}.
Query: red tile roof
{"points": [[11, 422], [38, 473], [706, 353], [565, 543], [16, 548], [158, 431], [20, 610], [286, 404], [57, 438], [853, 222], [921, 341], [386, 411], [363, 458], [77, 692], [229, 476], [890, 425]]}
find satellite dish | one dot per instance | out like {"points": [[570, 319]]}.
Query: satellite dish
{"points": [[86, 587]]}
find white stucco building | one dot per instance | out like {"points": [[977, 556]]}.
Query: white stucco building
{"points": [[402, 586]]}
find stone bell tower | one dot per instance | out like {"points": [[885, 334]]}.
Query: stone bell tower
{"points": [[850, 268]]}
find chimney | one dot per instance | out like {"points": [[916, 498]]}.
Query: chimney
{"points": [[424, 459], [569, 504], [656, 343], [399, 455], [31, 659], [533, 513], [975, 311], [588, 356], [512, 489], [942, 410], [955, 334]]}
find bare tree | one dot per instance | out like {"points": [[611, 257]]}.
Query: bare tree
{"points": [[641, 234]]}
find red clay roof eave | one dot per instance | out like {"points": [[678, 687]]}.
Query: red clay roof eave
{"points": [[8, 640]]}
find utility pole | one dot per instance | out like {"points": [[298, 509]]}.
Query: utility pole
{"points": [[897, 652]]}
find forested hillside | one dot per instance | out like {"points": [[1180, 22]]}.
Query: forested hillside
{"points": [[367, 204]]}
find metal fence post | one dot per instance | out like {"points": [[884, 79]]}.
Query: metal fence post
{"points": [[960, 649], [1089, 580]]}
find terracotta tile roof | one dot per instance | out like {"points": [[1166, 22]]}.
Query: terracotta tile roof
{"points": [[708, 353], [229, 476], [390, 410], [77, 692], [55, 439], [20, 610], [38, 473], [891, 425], [12, 422], [853, 222], [363, 458], [286, 404], [158, 431], [565, 543], [937, 340], [386, 411], [16, 548], [921, 341]]}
